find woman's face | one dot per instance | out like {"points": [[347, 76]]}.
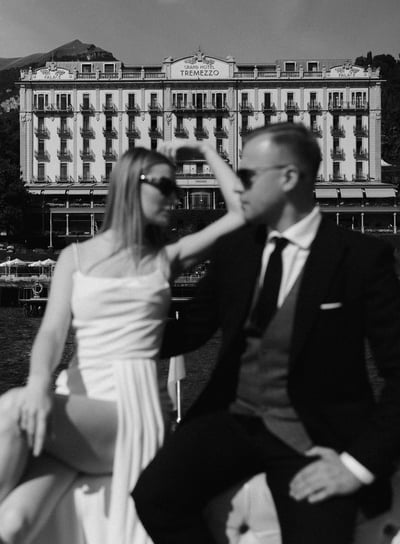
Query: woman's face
{"points": [[156, 206]]}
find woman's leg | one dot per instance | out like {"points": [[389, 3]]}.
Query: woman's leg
{"points": [[81, 439]]}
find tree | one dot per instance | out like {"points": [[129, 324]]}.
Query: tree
{"points": [[14, 202]]}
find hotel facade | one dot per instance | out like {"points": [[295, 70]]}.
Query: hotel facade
{"points": [[77, 118]]}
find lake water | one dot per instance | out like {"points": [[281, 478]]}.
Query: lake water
{"points": [[17, 333]]}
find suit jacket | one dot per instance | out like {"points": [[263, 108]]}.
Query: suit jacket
{"points": [[349, 295]]}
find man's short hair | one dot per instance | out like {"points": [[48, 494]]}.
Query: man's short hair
{"points": [[298, 139]]}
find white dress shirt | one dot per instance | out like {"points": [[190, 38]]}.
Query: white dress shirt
{"points": [[300, 237]]}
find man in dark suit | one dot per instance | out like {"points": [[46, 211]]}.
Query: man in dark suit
{"points": [[296, 299]]}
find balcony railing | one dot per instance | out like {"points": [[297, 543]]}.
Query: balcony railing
{"points": [[337, 154], [360, 177], [42, 156], [220, 133], [110, 108], [87, 132], [360, 154], [132, 132], [337, 177], [110, 132], [291, 107], [41, 179], [110, 155], [268, 107], [87, 179], [64, 132], [340, 105], [155, 133], [317, 130], [314, 106], [181, 173], [86, 108], [200, 132], [63, 110], [42, 132], [338, 132], [360, 131], [244, 130], [182, 108], [181, 132], [132, 109], [64, 179], [87, 155], [154, 107], [64, 155], [246, 106]]}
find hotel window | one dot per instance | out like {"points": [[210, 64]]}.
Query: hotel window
{"points": [[131, 122], [290, 118], [86, 101], [267, 101], [267, 120], [108, 169], [131, 144], [63, 101], [336, 170], [245, 99], [179, 99], [40, 101], [86, 122], [153, 123], [335, 122], [290, 66], [109, 68], [153, 100], [219, 123], [109, 100], [358, 145], [290, 99], [200, 201], [63, 147], [336, 145], [86, 171], [336, 99], [63, 124], [313, 121], [63, 171], [199, 123], [86, 68], [218, 100], [109, 124], [131, 101], [219, 145], [41, 171], [312, 66], [358, 122], [245, 122], [200, 100], [41, 124], [153, 143], [41, 149], [179, 123], [359, 170], [358, 98], [86, 145], [109, 145]]}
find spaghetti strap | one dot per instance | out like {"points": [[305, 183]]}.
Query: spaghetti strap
{"points": [[164, 263], [75, 251]]}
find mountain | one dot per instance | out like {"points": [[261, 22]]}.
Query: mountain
{"points": [[75, 50]]}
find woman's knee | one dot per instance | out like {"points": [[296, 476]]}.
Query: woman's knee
{"points": [[10, 404]]}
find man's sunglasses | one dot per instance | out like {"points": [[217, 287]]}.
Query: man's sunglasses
{"points": [[246, 175], [166, 186]]}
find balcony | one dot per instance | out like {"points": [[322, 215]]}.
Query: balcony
{"points": [[317, 131], [62, 109], [361, 132], [181, 132], [338, 177], [189, 175], [243, 131], [87, 108], [359, 177], [155, 133], [64, 179], [41, 179], [110, 132], [64, 132], [220, 132], [132, 109], [341, 105], [132, 132], [337, 154], [291, 107], [338, 132], [314, 106], [358, 105], [246, 107], [64, 155], [154, 107], [42, 156], [87, 179], [360, 154], [42, 132], [87, 155], [268, 108], [182, 108], [87, 132], [200, 133], [110, 155], [110, 108]]}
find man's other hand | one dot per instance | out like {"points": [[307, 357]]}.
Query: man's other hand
{"points": [[323, 478]]}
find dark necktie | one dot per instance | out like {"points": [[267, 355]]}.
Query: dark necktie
{"points": [[266, 304]]}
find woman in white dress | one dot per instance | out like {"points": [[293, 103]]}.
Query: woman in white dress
{"points": [[105, 416]]}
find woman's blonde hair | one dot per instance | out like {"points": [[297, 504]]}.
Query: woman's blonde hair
{"points": [[124, 213]]}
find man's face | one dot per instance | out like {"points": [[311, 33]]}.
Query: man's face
{"points": [[261, 170]]}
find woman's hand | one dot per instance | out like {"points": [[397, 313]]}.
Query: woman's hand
{"points": [[183, 150], [35, 413]]}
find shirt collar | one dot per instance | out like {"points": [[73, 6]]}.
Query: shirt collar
{"points": [[301, 233]]}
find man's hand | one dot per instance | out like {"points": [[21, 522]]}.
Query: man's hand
{"points": [[323, 478]]}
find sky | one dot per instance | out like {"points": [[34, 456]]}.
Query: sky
{"points": [[147, 31]]}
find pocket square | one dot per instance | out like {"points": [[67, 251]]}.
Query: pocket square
{"points": [[331, 305]]}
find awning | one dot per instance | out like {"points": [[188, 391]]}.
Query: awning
{"points": [[81, 192], [54, 191], [35, 191], [326, 192], [380, 192], [351, 192], [100, 191]]}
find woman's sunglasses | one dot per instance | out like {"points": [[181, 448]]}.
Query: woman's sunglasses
{"points": [[166, 186]]}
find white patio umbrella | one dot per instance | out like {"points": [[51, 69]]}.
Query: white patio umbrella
{"points": [[48, 262], [37, 264], [16, 263]]}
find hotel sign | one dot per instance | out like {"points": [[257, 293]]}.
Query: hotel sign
{"points": [[199, 67]]}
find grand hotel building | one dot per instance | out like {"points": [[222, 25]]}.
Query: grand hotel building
{"points": [[78, 118]]}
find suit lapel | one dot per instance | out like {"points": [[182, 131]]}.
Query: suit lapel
{"points": [[325, 256]]}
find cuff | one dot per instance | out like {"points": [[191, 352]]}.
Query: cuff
{"points": [[358, 470]]}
